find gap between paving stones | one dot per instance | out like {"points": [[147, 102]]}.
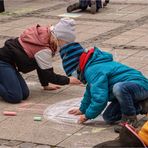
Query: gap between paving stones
{"points": [[132, 47], [117, 31], [70, 135], [129, 3], [22, 144]]}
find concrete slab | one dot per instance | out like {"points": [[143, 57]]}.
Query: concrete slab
{"points": [[27, 145], [133, 16], [86, 137], [24, 6], [62, 96], [94, 30], [4, 146], [134, 62], [2, 118], [57, 133], [75, 90], [144, 70], [134, 1], [16, 27], [122, 54], [43, 146], [13, 143], [4, 16], [123, 39], [15, 126], [140, 42]]}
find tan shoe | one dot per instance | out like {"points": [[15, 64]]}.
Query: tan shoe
{"points": [[73, 7], [132, 120], [93, 7], [105, 3]]}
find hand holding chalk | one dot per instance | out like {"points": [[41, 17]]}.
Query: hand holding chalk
{"points": [[82, 119]]}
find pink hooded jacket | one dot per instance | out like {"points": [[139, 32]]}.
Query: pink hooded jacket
{"points": [[35, 39]]}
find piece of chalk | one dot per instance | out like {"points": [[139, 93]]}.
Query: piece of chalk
{"points": [[37, 118], [8, 113]]}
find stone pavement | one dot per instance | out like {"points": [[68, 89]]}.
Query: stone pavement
{"points": [[121, 28]]}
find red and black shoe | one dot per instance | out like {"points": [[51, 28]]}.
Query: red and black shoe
{"points": [[131, 120]]}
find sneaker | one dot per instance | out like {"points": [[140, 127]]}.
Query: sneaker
{"points": [[73, 7], [144, 106], [93, 7], [141, 122], [132, 120], [105, 3]]}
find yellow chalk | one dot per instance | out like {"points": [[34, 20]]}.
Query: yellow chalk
{"points": [[96, 130]]}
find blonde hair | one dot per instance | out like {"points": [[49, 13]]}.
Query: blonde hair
{"points": [[53, 43]]}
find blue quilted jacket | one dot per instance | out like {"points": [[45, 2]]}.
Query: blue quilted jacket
{"points": [[101, 73]]}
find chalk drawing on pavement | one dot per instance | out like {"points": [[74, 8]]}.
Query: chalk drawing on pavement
{"points": [[72, 15], [58, 112]]}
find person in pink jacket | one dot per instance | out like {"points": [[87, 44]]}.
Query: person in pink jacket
{"points": [[33, 50]]}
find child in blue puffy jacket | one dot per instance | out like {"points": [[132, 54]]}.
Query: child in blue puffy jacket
{"points": [[94, 5], [107, 81]]}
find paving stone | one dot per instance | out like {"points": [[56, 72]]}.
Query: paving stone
{"points": [[74, 91], [87, 137], [4, 16], [43, 146], [3, 146], [132, 17], [16, 27], [140, 42], [144, 70], [50, 133], [95, 30], [122, 39], [134, 63], [13, 143], [27, 145], [24, 6], [3, 141], [130, 1], [61, 97], [17, 124]]}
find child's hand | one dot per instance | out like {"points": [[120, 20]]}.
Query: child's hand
{"points": [[82, 119], [51, 87], [74, 80], [75, 111]]}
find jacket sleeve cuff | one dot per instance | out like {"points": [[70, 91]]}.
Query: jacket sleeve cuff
{"points": [[82, 110], [88, 117]]}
